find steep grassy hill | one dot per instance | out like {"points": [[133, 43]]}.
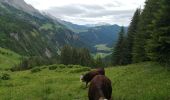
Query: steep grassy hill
{"points": [[8, 59], [144, 81]]}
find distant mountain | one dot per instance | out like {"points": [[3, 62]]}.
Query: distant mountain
{"points": [[27, 32], [98, 24], [106, 34], [101, 38], [96, 35], [74, 27]]}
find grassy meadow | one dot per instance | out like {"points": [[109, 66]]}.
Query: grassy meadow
{"points": [[142, 81], [145, 81]]}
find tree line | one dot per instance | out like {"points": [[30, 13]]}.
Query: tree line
{"points": [[79, 56], [148, 36]]}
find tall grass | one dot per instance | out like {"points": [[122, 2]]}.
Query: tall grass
{"points": [[144, 81]]}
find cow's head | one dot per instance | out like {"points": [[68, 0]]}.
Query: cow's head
{"points": [[82, 78]]}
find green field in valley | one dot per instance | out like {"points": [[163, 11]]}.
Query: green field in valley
{"points": [[101, 48]]}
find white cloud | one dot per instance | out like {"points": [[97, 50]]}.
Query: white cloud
{"points": [[90, 11]]}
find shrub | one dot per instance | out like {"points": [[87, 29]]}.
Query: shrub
{"points": [[43, 67], [70, 66], [52, 67], [62, 66], [78, 70], [5, 76], [74, 66], [36, 69]]}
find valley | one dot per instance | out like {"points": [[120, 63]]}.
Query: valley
{"points": [[42, 55]]}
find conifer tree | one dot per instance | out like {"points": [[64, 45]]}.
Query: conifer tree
{"points": [[132, 30], [159, 45], [66, 55], [75, 56], [85, 58], [98, 62], [118, 52], [144, 31]]}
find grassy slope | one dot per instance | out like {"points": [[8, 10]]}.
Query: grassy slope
{"points": [[8, 58], [145, 81]]}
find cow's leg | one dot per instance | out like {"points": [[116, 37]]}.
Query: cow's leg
{"points": [[86, 84]]}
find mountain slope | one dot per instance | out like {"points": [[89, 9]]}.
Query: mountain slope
{"points": [[32, 35], [74, 27], [101, 37], [21, 4], [8, 59], [98, 37]]}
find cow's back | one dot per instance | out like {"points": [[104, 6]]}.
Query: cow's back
{"points": [[100, 86], [101, 71]]}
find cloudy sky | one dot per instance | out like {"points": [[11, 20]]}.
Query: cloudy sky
{"points": [[90, 11]]}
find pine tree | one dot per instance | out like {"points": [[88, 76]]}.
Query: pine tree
{"points": [[99, 62], [132, 30], [85, 57], [75, 56], [118, 52], [144, 31], [66, 55], [159, 45]]}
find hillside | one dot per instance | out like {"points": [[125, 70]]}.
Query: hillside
{"points": [[107, 34], [143, 81], [32, 35], [96, 35], [8, 59], [21, 4]]}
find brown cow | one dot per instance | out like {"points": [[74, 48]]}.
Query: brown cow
{"points": [[100, 88], [89, 76], [101, 71]]}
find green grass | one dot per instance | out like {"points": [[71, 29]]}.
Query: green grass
{"points": [[8, 58], [102, 55], [47, 27], [60, 84], [103, 47], [100, 48], [144, 81]]}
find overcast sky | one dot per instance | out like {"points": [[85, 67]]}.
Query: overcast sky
{"points": [[90, 11]]}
